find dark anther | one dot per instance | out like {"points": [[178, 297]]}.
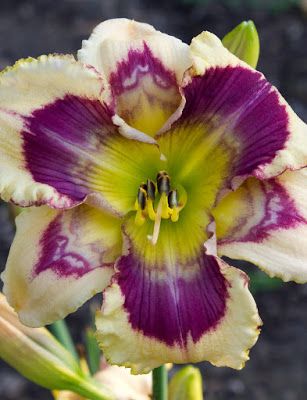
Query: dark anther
{"points": [[163, 182], [172, 199], [144, 186], [142, 197], [151, 189], [161, 173]]}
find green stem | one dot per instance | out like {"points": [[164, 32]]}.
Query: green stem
{"points": [[159, 384], [93, 351], [61, 332]]}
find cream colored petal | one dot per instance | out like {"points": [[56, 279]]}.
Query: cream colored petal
{"points": [[59, 260], [208, 52], [111, 41], [144, 68], [51, 120], [163, 324], [266, 224]]}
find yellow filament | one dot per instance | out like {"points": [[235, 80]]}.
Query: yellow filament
{"points": [[150, 210], [139, 217], [136, 204], [175, 214], [165, 208]]}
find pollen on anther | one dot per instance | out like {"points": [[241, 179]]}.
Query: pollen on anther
{"points": [[151, 189], [163, 182], [172, 199], [142, 197]]}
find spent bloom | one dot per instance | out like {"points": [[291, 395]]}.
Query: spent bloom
{"points": [[149, 160]]}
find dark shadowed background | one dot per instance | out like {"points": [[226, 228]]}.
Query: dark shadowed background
{"points": [[278, 365]]}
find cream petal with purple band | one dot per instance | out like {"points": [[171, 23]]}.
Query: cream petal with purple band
{"points": [[266, 223], [265, 129], [58, 260], [232, 125], [148, 318], [144, 67], [55, 132], [173, 303], [53, 123]]}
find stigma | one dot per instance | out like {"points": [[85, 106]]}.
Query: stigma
{"points": [[157, 201]]}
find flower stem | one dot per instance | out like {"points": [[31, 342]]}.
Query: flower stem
{"points": [[93, 351], [159, 384], [61, 332]]}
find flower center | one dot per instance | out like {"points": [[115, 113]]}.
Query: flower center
{"points": [[157, 200]]}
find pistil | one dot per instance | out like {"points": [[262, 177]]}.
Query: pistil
{"points": [[154, 237]]}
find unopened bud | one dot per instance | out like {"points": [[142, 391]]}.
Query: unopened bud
{"points": [[243, 42], [37, 355], [186, 384]]}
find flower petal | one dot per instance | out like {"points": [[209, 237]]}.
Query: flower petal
{"points": [[150, 318], [54, 143], [58, 260], [125, 386], [232, 125], [266, 223], [53, 123], [143, 66], [172, 303], [251, 116]]}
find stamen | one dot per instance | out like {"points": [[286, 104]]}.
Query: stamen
{"points": [[173, 203], [139, 217], [151, 189], [163, 182], [165, 208], [150, 210], [170, 204], [140, 205], [142, 197], [172, 199]]}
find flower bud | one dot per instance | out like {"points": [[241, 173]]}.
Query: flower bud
{"points": [[186, 384], [37, 355], [243, 42]]}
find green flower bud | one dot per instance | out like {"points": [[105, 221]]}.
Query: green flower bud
{"points": [[186, 384], [37, 355], [243, 42]]}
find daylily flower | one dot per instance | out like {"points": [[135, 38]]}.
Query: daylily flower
{"points": [[134, 154]]}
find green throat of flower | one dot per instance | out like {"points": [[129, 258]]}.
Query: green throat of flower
{"points": [[157, 201]]}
